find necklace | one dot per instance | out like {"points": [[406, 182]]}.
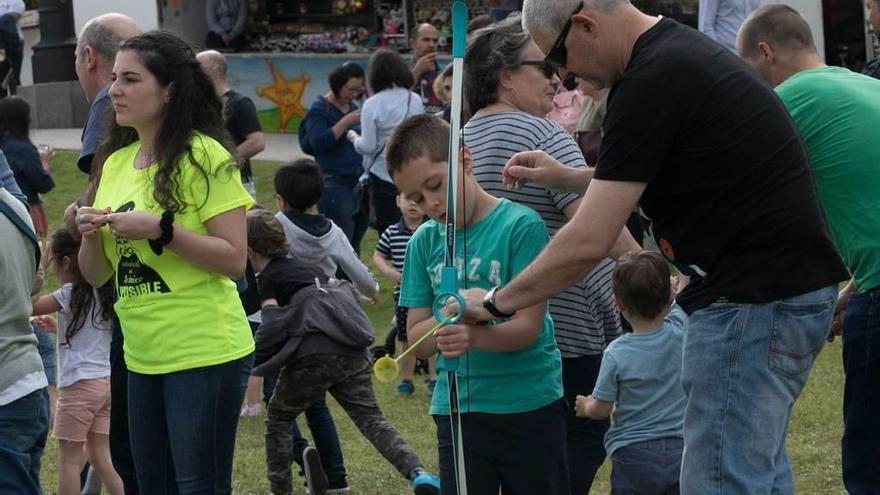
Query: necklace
{"points": [[143, 159]]}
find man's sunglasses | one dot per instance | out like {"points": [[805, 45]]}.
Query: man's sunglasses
{"points": [[558, 55], [544, 66]]}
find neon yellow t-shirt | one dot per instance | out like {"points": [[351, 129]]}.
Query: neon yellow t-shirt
{"points": [[175, 316]]}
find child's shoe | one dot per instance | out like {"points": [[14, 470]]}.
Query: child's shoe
{"points": [[424, 483], [316, 480], [405, 388]]}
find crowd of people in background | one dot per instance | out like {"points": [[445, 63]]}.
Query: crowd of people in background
{"points": [[739, 158]]}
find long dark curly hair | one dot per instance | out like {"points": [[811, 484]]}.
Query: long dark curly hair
{"points": [[193, 106], [83, 297]]}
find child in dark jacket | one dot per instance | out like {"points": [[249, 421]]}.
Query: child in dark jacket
{"points": [[23, 158], [321, 362]]}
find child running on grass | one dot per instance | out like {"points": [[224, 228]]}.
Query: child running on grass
{"points": [[640, 381], [307, 333], [82, 417], [510, 384], [388, 258]]}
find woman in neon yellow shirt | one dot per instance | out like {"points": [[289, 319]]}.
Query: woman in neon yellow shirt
{"points": [[168, 222]]}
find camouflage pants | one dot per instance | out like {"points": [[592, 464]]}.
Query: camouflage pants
{"points": [[349, 380]]}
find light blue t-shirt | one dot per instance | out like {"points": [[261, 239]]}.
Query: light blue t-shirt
{"points": [[641, 374], [498, 248]]}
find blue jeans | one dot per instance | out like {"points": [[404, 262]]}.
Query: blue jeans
{"points": [[46, 346], [744, 366], [24, 424], [861, 394], [323, 431], [338, 203], [647, 468], [182, 427]]}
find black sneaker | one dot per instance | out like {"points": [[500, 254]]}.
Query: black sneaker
{"points": [[316, 480]]}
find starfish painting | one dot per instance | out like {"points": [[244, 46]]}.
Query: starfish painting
{"points": [[286, 93]]}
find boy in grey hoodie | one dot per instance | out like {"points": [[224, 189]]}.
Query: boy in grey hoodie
{"points": [[313, 238]]}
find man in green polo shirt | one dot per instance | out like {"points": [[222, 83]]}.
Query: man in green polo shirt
{"points": [[838, 114]]}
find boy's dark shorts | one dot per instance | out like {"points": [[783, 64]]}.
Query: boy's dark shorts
{"points": [[400, 314], [525, 453]]}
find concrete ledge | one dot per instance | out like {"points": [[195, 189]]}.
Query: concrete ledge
{"points": [[56, 105]]}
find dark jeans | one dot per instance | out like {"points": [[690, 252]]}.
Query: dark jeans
{"points": [[215, 41], [520, 454], [120, 445], [338, 203], [383, 205], [861, 395], [323, 430], [183, 427], [585, 437], [647, 468], [24, 425]]}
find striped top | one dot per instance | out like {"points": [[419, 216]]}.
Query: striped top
{"points": [[392, 245], [584, 316]]}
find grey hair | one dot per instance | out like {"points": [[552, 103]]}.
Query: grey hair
{"points": [[101, 38], [547, 17], [491, 50]]}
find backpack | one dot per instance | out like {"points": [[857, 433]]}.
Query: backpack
{"points": [[304, 143]]}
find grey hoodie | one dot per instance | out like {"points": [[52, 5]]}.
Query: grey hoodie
{"points": [[316, 240]]}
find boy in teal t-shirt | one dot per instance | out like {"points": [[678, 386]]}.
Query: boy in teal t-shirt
{"points": [[510, 383]]}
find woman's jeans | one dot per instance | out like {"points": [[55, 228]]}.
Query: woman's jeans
{"points": [[861, 393], [338, 203], [744, 366], [182, 427], [323, 430], [24, 424]]}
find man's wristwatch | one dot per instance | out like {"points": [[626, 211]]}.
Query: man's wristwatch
{"points": [[489, 304]]}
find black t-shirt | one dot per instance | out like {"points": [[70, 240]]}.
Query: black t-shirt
{"points": [[240, 117], [284, 277], [730, 198]]}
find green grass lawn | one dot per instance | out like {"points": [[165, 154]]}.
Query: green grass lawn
{"points": [[813, 442]]}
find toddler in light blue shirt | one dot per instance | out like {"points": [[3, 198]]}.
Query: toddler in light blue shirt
{"points": [[639, 383]]}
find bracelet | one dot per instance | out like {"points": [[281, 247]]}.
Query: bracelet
{"points": [[166, 227]]}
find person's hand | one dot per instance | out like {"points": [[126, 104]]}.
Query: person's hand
{"points": [[69, 220], [425, 63], [474, 310], [46, 323], [89, 220], [540, 168], [839, 315], [351, 118], [455, 340], [351, 135], [395, 277], [134, 225], [580, 406]]}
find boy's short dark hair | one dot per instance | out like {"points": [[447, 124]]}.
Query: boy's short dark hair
{"points": [[300, 183], [641, 283], [416, 137], [265, 235]]}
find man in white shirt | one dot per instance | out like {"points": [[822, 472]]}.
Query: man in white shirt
{"points": [[721, 19]]}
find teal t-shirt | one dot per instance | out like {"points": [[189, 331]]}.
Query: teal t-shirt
{"points": [[838, 114], [641, 374], [498, 247]]}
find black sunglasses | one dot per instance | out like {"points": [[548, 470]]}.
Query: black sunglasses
{"points": [[544, 66], [558, 55]]}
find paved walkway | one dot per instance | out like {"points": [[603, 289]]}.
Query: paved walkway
{"points": [[280, 147]]}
